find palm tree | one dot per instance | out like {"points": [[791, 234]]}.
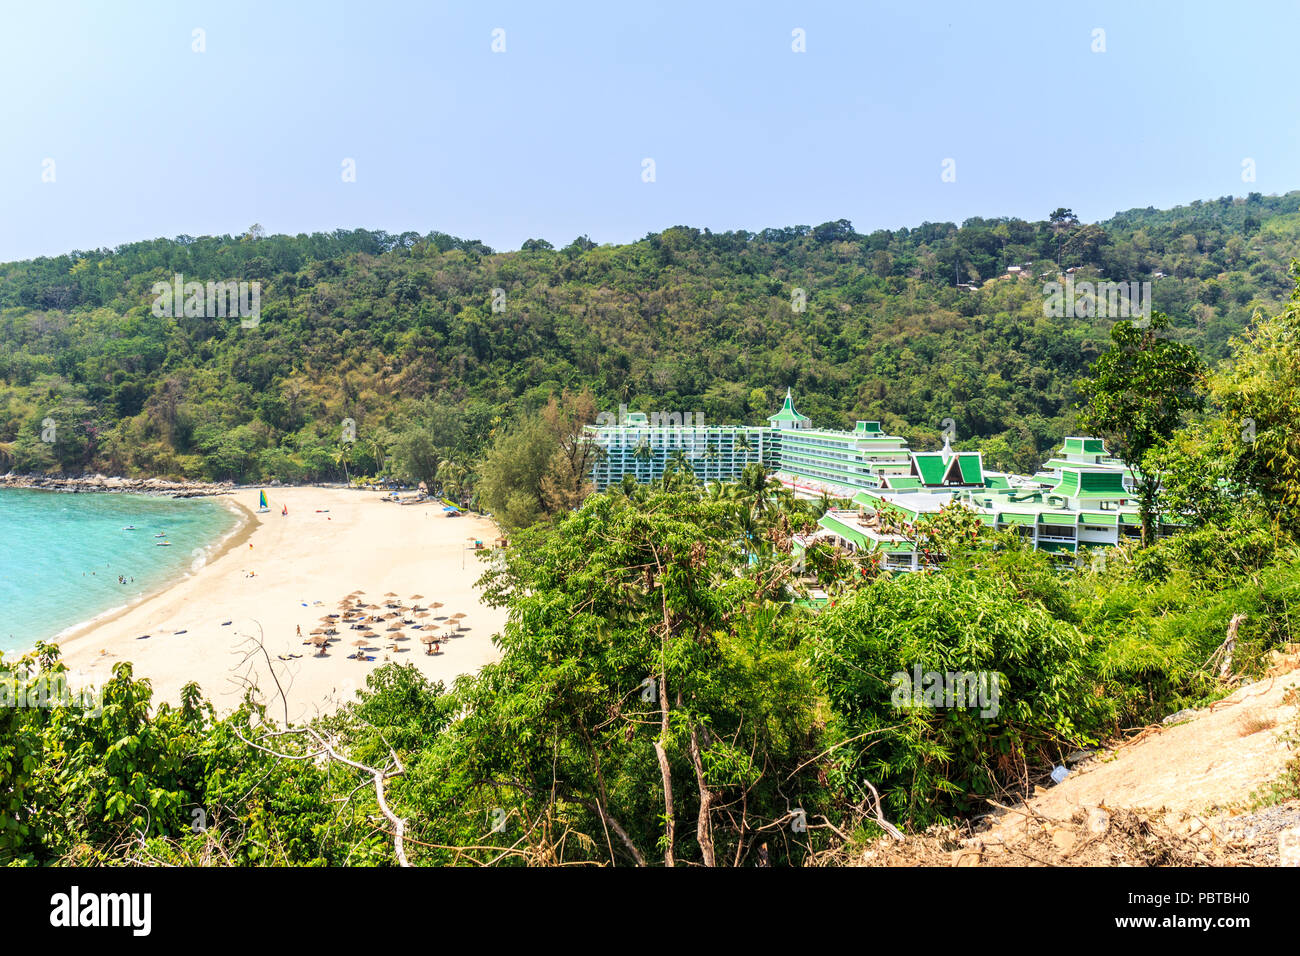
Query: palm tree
{"points": [[752, 488], [629, 486], [376, 449], [341, 456], [451, 478], [784, 501], [744, 443], [678, 474], [752, 538], [641, 454]]}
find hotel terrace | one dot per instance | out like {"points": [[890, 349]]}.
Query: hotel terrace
{"points": [[1081, 497]]}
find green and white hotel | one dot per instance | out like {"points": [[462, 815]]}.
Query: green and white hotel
{"points": [[641, 448], [1080, 498]]}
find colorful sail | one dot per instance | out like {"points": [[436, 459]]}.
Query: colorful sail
{"points": [[261, 500]]}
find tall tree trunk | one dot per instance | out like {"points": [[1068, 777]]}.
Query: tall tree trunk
{"points": [[703, 822], [665, 771]]}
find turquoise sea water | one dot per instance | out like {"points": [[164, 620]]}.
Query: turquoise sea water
{"points": [[61, 554]]}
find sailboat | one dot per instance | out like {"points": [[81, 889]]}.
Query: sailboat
{"points": [[262, 507]]}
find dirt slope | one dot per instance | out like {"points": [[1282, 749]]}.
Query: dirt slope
{"points": [[1175, 794]]}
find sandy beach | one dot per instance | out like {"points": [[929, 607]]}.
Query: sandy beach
{"points": [[286, 573]]}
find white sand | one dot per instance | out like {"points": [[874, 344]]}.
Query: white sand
{"points": [[305, 558]]}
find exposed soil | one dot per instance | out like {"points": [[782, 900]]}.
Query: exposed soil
{"points": [[1175, 794]]}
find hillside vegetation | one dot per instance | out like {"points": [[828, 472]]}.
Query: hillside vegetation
{"points": [[398, 333], [671, 688]]}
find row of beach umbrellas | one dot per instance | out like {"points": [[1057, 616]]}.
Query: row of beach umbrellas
{"points": [[353, 613]]}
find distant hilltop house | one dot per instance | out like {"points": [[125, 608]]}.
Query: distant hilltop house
{"points": [[1081, 497]]}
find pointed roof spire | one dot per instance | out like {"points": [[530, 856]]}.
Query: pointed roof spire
{"points": [[787, 412]]}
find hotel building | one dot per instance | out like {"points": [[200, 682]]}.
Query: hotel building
{"points": [[1081, 497]]}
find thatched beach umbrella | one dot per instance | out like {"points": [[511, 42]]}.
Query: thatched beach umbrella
{"points": [[416, 597]]}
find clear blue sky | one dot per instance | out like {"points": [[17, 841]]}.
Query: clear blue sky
{"points": [[547, 139]]}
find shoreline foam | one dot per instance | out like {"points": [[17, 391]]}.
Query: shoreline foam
{"points": [[240, 533]]}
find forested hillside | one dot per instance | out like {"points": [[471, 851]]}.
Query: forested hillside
{"points": [[399, 334], [677, 683]]}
